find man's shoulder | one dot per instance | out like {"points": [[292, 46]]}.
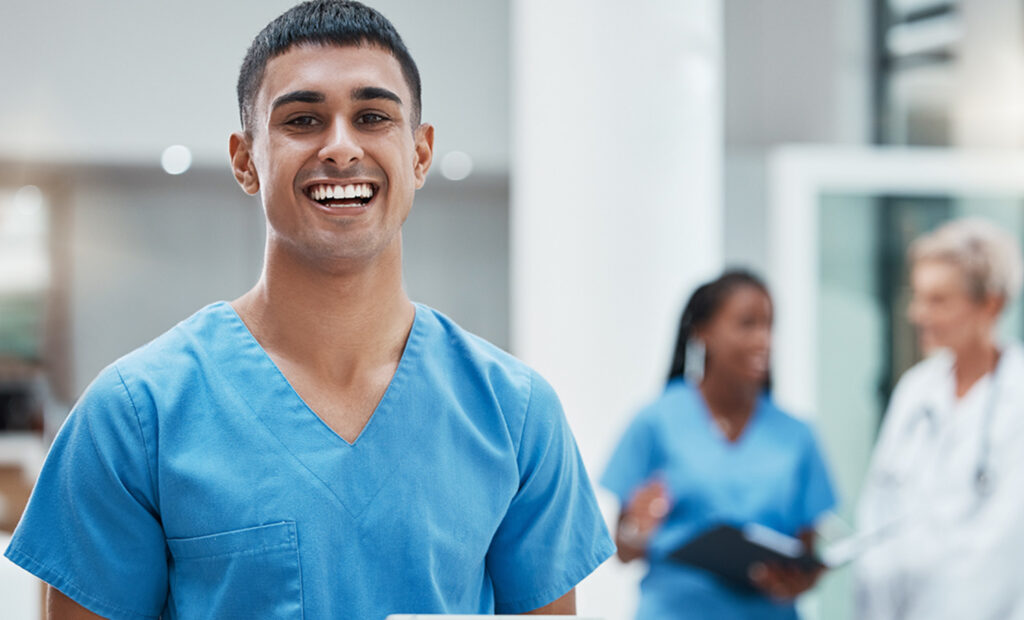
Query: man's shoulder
{"points": [[481, 375], [466, 353], [164, 368], [180, 348]]}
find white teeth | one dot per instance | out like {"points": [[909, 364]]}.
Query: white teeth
{"points": [[356, 190]]}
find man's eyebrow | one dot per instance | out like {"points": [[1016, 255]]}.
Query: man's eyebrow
{"points": [[300, 96], [368, 93]]}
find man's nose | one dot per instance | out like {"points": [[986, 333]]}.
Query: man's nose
{"points": [[341, 144]]}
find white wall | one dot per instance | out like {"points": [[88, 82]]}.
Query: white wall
{"points": [[456, 253], [147, 250], [119, 80]]}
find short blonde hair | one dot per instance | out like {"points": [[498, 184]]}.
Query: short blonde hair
{"points": [[989, 257]]}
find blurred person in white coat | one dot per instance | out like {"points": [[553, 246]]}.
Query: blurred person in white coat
{"points": [[946, 482]]}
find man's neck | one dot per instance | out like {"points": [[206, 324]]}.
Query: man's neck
{"points": [[334, 321]]}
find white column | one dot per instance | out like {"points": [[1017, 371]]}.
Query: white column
{"points": [[616, 209]]}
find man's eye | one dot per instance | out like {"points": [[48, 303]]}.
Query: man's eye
{"points": [[371, 118], [301, 121]]}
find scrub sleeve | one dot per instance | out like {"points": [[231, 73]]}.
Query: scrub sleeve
{"points": [[538, 554], [91, 528]]}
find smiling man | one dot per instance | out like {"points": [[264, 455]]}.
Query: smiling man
{"points": [[320, 447]]}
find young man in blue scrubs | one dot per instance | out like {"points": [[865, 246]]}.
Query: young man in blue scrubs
{"points": [[320, 447]]}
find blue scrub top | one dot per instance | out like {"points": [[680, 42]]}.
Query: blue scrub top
{"points": [[191, 481], [773, 475]]}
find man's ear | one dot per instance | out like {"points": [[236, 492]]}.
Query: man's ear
{"points": [[240, 149], [424, 137]]}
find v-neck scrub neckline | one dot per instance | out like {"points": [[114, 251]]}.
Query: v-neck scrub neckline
{"points": [[284, 393], [298, 428], [719, 433]]}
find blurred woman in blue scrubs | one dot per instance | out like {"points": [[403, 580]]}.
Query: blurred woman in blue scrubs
{"points": [[714, 448]]}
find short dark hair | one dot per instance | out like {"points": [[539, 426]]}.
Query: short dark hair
{"points": [[322, 22], [704, 304]]}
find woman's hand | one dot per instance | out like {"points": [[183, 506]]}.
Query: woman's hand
{"points": [[644, 514], [783, 582], [780, 582]]}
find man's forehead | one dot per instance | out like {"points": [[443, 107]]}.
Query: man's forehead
{"points": [[331, 69]]}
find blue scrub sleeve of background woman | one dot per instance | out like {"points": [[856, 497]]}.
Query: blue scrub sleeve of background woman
{"points": [[819, 495], [90, 528], [552, 535], [634, 460]]}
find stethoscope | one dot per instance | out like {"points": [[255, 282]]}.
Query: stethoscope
{"points": [[982, 472], [982, 482]]}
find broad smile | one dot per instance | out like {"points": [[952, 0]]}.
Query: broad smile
{"points": [[341, 195]]}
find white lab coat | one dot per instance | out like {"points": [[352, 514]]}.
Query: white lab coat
{"points": [[951, 553]]}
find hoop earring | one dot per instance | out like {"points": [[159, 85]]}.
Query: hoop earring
{"points": [[696, 354]]}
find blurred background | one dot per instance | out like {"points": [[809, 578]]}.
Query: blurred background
{"points": [[594, 161]]}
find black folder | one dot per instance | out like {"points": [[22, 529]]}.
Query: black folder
{"points": [[729, 552]]}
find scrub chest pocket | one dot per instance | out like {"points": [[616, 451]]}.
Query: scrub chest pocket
{"points": [[252, 572]]}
